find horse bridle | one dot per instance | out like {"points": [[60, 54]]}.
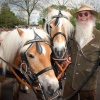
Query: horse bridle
{"points": [[60, 15], [24, 58], [33, 77]]}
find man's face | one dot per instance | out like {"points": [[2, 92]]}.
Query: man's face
{"points": [[84, 16]]}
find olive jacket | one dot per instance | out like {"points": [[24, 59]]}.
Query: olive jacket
{"points": [[80, 67]]}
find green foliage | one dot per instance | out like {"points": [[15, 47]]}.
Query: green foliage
{"points": [[73, 21], [98, 22], [8, 18], [60, 7], [98, 26], [41, 22]]}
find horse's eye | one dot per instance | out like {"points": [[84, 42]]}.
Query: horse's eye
{"points": [[31, 56], [50, 26]]}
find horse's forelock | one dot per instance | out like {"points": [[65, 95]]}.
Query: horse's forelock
{"points": [[52, 13], [55, 12], [67, 14]]}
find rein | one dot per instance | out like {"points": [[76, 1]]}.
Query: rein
{"points": [[35, 85], [60, 65], [28, 75], [32, 76]]}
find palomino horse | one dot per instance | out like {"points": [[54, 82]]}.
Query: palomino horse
{"points": [[30, 50], [59, 27]]}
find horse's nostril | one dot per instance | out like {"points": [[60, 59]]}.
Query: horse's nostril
{"points": [[50, 90]]}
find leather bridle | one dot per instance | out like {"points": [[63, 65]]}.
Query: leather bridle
{"points": [[24, 59], [48, 27], [33, 76], [30, 78]]}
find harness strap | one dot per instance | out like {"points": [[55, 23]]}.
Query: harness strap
{"points": [[58, 34], [13, 71], [44, 70]]}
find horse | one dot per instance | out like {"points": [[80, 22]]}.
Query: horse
{"points": [[29, 50], [59, 28]]}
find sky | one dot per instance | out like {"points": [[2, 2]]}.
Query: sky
{"points": [[33, 18]]}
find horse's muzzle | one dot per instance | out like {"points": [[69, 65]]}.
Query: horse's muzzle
{"points": [[59, 53], [50, 91]]}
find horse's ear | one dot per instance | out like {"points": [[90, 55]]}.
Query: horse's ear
{"points": [[49, 9], [19, 31], [40, 27]]}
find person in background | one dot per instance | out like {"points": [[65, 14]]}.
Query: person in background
{"points": [[84, 54]]}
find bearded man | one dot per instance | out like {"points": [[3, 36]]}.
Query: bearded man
{"points": [[84, 50]]}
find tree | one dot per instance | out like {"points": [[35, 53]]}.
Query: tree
{"points": [[25, 5], [8, 18]]}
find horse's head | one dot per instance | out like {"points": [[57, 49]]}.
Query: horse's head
{"points": [[36, 54], [59, 27]]}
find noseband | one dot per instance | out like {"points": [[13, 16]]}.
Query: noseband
{"points": [[58, 33]]}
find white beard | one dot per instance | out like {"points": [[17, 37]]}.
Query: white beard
{"points": [[84, 32]]}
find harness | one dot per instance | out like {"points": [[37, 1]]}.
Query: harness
{"points": [[31, 78]]}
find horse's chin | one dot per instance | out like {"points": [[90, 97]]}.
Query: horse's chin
{"points": [[59, 56], [59, 53], [49, 93]]}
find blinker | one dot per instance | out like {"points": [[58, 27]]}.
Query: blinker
{"points": [[57, 21], [38, 47], [57, 18], [48, 28]]}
